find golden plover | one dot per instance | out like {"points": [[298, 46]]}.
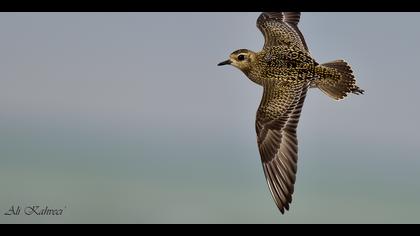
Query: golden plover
{"points": [[285, 69]]}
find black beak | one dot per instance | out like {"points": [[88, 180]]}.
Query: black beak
{"points": [[227, 62]]}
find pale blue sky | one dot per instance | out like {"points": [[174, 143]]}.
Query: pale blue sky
{"points": [[125, 118]]}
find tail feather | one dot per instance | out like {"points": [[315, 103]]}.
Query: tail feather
{"points": [[336, 79]]}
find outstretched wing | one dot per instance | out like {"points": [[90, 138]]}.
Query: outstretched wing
{"points": [[276, 123], [281, 28]]}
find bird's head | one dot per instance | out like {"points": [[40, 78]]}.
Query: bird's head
{"points": [[241, 59]]}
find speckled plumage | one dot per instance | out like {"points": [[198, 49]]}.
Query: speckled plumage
{"points": [[286, 70]]}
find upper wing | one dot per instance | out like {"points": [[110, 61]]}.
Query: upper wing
{"points": [[276, 123], [281, 28]]}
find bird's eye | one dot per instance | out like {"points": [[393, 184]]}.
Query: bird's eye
{"points": [[241, 57]]}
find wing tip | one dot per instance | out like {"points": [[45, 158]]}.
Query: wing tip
{"points": [[292, 19], [284, 206], [289, 17], [283, 209]]}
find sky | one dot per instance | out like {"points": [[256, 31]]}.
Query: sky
{"points": [[125, 118]]}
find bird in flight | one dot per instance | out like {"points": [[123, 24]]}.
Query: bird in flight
{"points": [[286, 70]]}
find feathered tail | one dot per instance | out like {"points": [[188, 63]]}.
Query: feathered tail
{"points": [[336, 79]]}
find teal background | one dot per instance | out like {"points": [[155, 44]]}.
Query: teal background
{"points": [[125, 118]]}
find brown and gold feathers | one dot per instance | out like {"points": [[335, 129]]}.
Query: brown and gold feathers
{"points": [[286, 70]]}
